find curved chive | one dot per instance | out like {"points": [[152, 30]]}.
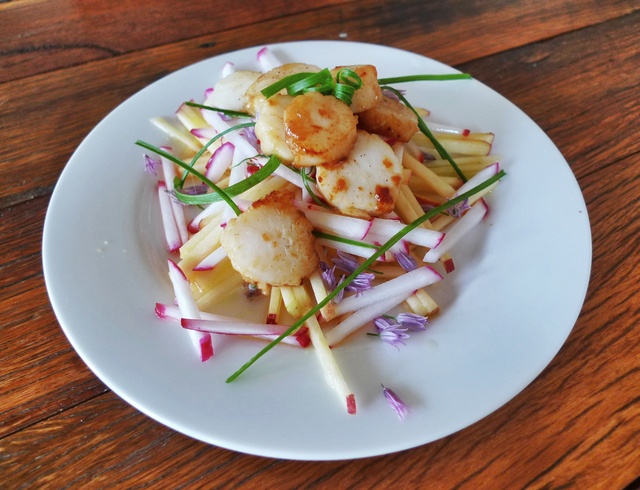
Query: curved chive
{"points": [[283, 83], [226, 112], [418, 78], [427, 132], [233, 190], [344, 92], [316, 82], [347, 76], [193, 171], [346, 83], [365, 265], [305, 181], [209, 143]]}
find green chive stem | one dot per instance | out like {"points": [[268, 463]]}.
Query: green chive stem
{"points": [[212, 141], [381, 250], [235, 189], [226, 112], [193, 171], [427, 78], [424, 129]]}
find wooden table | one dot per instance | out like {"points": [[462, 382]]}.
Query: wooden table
{"points": [[572, 65]]}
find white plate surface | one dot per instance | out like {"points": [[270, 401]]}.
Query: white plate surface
{"points": [[506, 311]]}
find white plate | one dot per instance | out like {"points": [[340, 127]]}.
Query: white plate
{"points": [[506, 310]]}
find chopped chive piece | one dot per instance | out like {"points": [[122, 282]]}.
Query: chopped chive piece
{"points": [[191, 170], [347, 82], [305, 181], [347, 76], [226, 112], [283, 83], [343, 87], [418, 78], [233, 190], [344, 93], [316, 82], [427, 132], [365, 265]]}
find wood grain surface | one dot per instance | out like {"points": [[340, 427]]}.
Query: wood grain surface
{"points": [[572, 65]]}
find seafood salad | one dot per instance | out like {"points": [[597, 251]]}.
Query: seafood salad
{"points": [[324, 198]]}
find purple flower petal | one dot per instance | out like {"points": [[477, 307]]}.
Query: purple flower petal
{"points": [[392, 95], [361, 283], [195, 190], [346, 262], [406, 261], [396, 403], [390, 332], [330, 281], [382, 323], [412, 321], [457, 210], [151, 165]]}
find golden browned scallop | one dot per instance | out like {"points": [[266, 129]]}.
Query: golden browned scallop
{"points": [[270, 126], [367, 183], [390, 119], [370, 93], [319, 129], [254, 95], [271, 243], [230, 92]]}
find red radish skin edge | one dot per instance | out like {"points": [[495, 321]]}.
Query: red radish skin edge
{"points": [[351, 404], [303, 337], [206, 348], [177, 268]]}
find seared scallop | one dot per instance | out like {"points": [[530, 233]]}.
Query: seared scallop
{"points": [[319, 129], [370, 93], [390, 119], [367, 183], [254, 94], [270, 127], [230, 92], [271, 243]]}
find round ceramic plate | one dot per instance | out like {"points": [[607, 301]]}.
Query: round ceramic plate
{"points": [[520, 282]]}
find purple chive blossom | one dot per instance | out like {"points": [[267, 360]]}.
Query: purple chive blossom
{"points": [[361, 283], [151, 165], [412, 321], [196, 190], [392, 95], [406, 261], [396, 403], [427, 156], [346, 262], [330, 281], [457, 210], [328, 275], [390, 332]]}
